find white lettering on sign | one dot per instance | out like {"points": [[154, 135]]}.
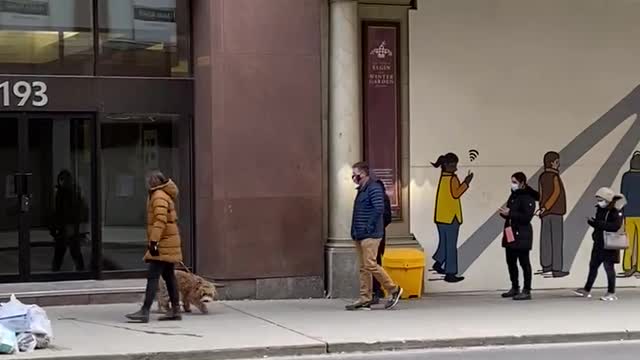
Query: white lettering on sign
{"points": [[24, 91]]}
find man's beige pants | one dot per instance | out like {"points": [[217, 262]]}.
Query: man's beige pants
{"points": [[367, 250]]}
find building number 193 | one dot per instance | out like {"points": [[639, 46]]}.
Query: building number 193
{"points": [[24, 91]]}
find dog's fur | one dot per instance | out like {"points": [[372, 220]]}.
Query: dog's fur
{"points": [[193, 289]]}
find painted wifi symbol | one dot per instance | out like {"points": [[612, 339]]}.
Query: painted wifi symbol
{"points": [[473, 154]]}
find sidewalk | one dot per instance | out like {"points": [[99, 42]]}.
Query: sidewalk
{"points": [[277, 328]]}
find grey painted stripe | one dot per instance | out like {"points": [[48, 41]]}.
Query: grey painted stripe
{"points": [[484, 235], [575, 224]]}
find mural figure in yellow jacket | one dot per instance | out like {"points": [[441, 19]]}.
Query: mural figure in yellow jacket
{"points": [[630, 188], [448, 216]]}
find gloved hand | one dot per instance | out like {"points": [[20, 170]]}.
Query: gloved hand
{"points": [[153, 248], [591, 222]]}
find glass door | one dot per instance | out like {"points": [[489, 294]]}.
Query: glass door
{"points": [[60, 173], [10, 214], [47, 167]]}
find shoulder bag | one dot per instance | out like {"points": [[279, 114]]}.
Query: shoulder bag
{"points": [[615, 240]]}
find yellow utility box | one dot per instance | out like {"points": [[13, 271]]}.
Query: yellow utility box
{"points": [[406, 268]]}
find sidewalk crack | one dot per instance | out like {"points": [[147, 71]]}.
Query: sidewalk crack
{"points": [[326, 344], [121, 327]]}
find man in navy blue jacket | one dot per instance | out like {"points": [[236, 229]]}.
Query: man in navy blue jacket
{"points": [[367, 230]]}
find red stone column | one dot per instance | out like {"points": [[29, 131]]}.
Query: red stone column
{"points": [[258, 145]]}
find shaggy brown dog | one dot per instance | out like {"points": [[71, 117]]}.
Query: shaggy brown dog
{"points": [[194, 290]]}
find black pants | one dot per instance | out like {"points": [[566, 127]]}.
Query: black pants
{"points": [[594, 264], [513, 256], [63, 241], [377, 288], [166, 270]]}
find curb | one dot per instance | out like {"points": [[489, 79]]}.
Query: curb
{"points": [[358, 347], [244, 353], [354, 347], [486, 341]]}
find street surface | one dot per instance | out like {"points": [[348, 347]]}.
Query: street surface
{"points": [[627, 350]]}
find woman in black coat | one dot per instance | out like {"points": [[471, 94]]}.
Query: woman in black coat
{"points": [[517, 237], [609, 218]]}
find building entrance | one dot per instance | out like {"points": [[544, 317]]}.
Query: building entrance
{"points": [[47, 196]]}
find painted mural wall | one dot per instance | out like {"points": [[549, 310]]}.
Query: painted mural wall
{"points": [[547, 87]]}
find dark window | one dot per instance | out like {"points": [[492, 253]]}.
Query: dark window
{"points": [[132, 145], [144, 38], [46, 37]]}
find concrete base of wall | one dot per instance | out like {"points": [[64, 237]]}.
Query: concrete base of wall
{"points": [[272, 289], [132, 291], [342, 265], [76, 292]]}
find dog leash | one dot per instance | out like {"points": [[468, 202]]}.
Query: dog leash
{"points": [[191, 272]]}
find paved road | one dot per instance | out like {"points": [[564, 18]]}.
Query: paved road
{"points": [[610, 351]]}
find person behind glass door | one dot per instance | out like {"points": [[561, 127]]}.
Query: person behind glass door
{"points": [[70, 211], [517, 238], [164, 246], [608, 218]]}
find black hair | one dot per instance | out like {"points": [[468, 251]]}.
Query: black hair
{"points": [[64, 173], [449, 158], [520, 177]]}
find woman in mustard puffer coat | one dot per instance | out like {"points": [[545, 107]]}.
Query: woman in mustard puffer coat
{"points": [[164, 248]]}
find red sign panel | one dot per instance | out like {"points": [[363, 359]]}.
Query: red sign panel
{"points": [[381, 87]]}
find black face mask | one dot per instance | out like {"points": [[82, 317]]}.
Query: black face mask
{"points": [[356, 178]]}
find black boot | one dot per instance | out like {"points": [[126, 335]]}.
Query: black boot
{"points": [[141, 315], [452, 278], [511, 293], [172, 315], [437, 267], [524, 295]]}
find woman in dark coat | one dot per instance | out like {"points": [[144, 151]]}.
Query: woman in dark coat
{"points": [[608, 218], [517, 237]]}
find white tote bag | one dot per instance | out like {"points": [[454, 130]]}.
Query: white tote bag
{"points": [[615, 240]]}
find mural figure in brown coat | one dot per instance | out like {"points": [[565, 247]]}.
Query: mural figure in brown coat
{"points": [[553, 207]]}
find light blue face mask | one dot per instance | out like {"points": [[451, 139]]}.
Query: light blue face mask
{"points": [[515, 187]]}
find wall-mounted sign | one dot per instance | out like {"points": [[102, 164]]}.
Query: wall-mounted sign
{"points": [[34, 7], [381, 106], [150, 149], [142, 21], [61, 15], [19, 93]]}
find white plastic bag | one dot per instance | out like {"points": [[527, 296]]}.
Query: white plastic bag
{"points": [[39, 323], [26, 342], [14, 315], [42, 341], [8, 341]]}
